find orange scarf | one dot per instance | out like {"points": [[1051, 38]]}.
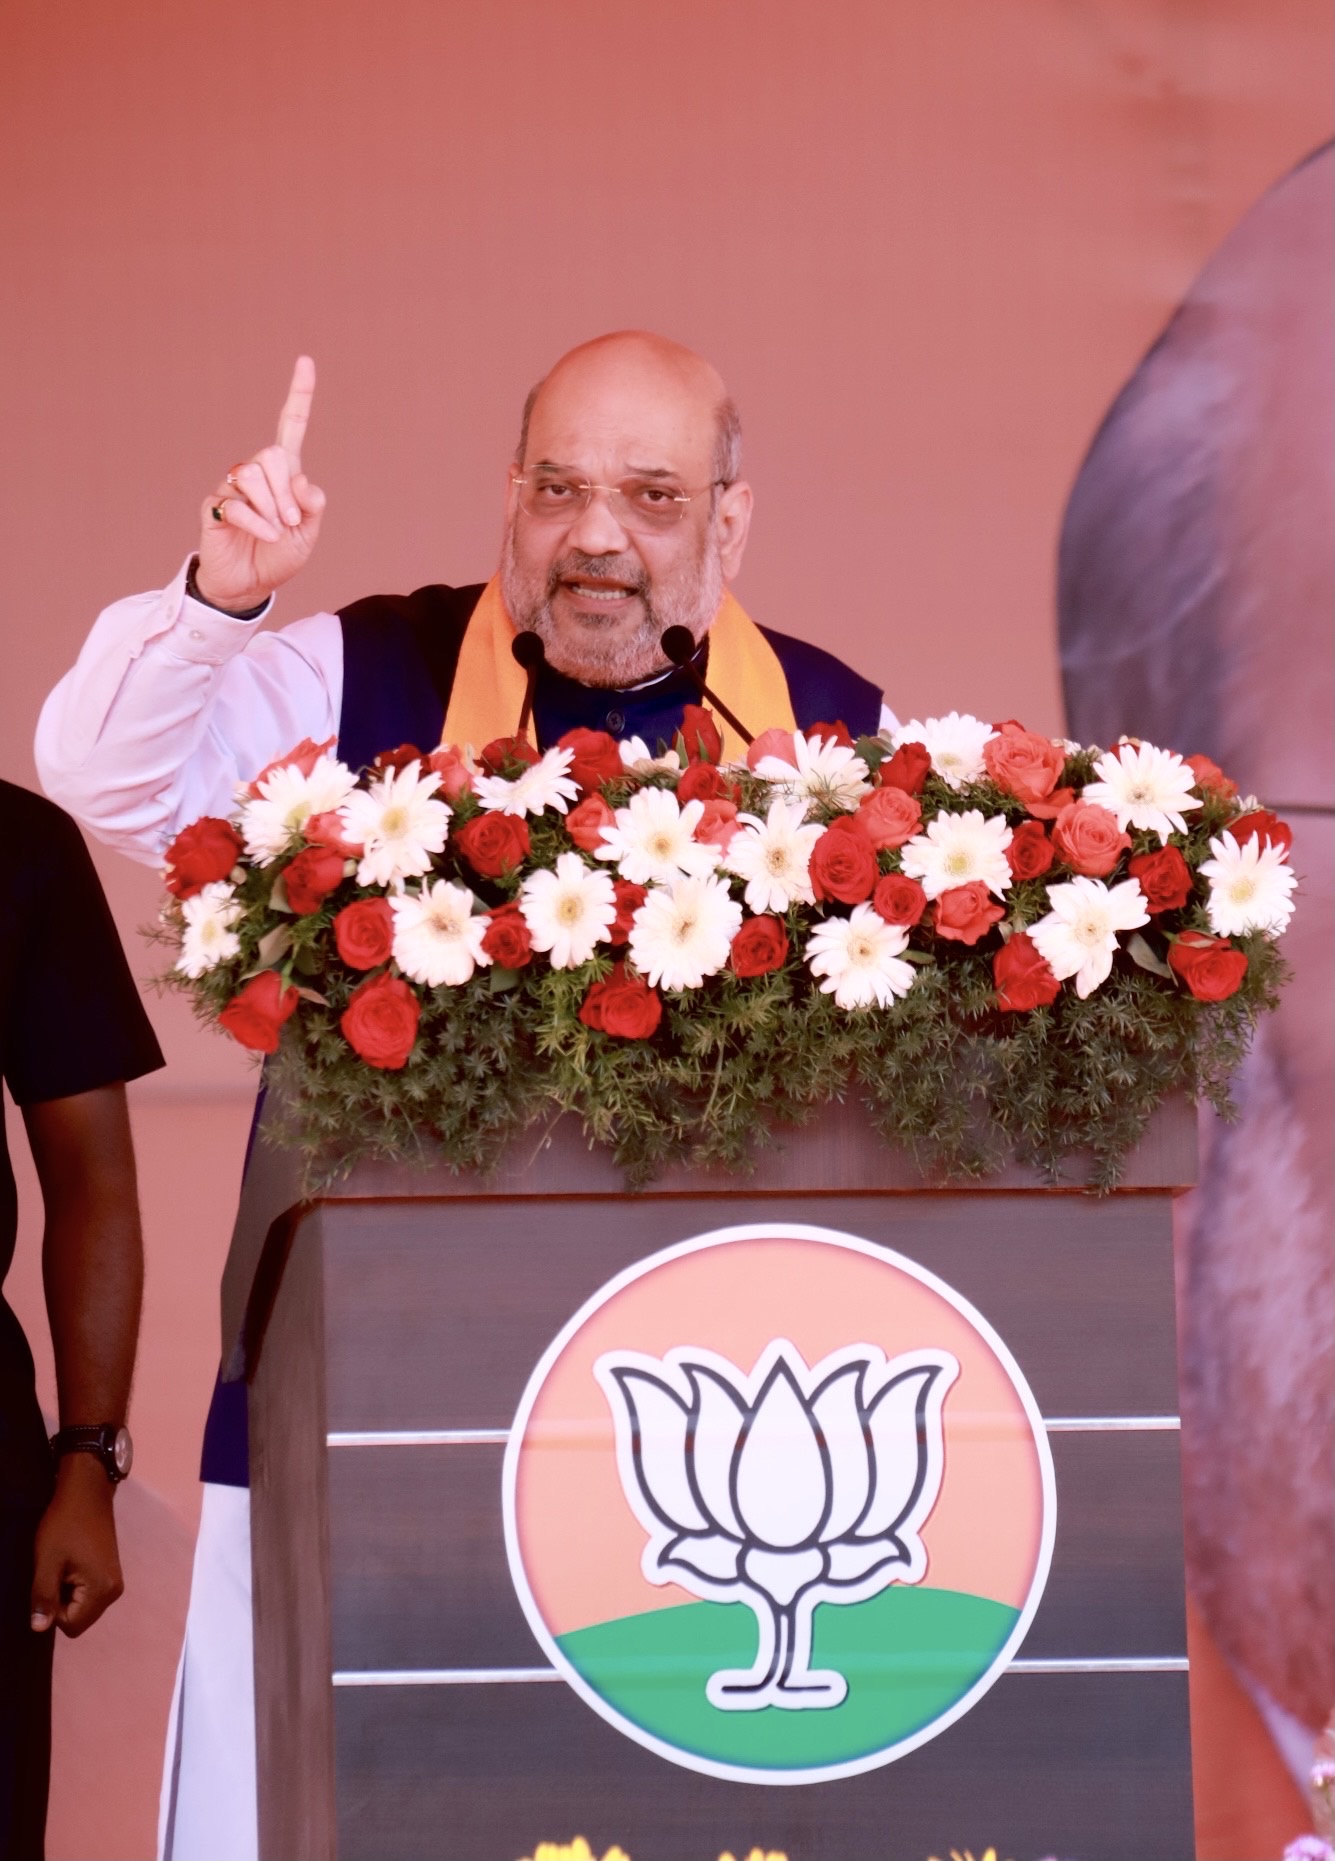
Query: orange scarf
{"points": [[488, 690]]}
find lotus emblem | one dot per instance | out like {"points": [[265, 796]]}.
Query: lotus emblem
{"points": [[782, 1489]]}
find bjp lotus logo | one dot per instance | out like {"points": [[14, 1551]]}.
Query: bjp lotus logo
{"points": [[782, 1489], [778, 1504]]}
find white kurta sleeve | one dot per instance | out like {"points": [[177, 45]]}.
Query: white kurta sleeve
{"points": [[172, 703]]}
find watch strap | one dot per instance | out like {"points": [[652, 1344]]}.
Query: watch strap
{"points": [[99, 1438]]}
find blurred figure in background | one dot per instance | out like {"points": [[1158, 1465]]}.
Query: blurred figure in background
{"points": [[1196, 592]]}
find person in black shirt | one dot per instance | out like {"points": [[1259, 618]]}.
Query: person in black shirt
{"points": [[72, 1031]]}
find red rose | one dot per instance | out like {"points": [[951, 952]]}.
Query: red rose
{"points": [[702, 781], [380, 1022], [503, 752], [759, 946], [1049, 810], [1088, 838], [837, 732], [456, 778], [889, 817], [364, 933], [701, 735], [200, 855], [586, 821], [493, 843], [622, 1005], [1023, 978], [303, 756], [1211, 968], [1164, 877], [329, 830], [843, 863], [899, 899], [717, 825], [966, 912], [506, 939], [908, 768], [1030, 850], [311, 877], [1261, 821], [1023, 764], [629, 898], [1210, 778], [772, 743], [255, 1015], [396, 760], [597, 758]]}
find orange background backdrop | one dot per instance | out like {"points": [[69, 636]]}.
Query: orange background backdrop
{"points": [[925, 243]]}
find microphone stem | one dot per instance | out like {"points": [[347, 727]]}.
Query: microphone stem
{"points": [[527, 711], [729, 717]]}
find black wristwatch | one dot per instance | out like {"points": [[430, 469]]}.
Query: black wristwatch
{"points": [[110, 1441]]}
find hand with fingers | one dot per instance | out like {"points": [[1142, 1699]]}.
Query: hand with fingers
{"points": [[76, 1566], [260, 525]]}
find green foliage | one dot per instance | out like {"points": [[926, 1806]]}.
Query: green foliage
{"points": [[961, 1086]]}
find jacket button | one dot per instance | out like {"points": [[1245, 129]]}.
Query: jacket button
{"points": [[616, 721]]}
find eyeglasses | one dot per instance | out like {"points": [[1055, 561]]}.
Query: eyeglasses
{"points": [[641, 504]]}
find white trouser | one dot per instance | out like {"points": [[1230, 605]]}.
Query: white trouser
{"points": [[208, 1808]]}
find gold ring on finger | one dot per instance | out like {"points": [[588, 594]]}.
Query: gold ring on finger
{"points": [[218, 510]]}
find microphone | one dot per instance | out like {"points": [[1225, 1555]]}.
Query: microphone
{"points": [[529, 651], [679, 645]]}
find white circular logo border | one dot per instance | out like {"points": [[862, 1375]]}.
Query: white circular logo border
{"points": [[675, 1754]]}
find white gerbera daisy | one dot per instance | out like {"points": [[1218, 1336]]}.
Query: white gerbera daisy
{"points": [[774, 856], [398, 825], [859, 958], [639, 760], [544, 784], [437, 934], [822, 769], [652, 840], [959, 848], [1145, 788], [954, 743], [568, 910], [287, 799], [1250, 886], [683, 932], [208, 938], [1078, 937]]}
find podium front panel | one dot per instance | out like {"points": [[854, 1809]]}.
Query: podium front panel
{"points": [[405, 1708]]}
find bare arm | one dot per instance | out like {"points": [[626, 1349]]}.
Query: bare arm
{"points": [[93, 1269]]}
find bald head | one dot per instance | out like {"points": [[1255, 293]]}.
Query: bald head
{"points": [[628, 374], [585, 572]]}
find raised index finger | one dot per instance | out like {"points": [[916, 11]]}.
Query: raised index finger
{"points": [[296, 412]]}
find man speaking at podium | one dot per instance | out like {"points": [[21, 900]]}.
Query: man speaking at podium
{"points": [[626, 516]]}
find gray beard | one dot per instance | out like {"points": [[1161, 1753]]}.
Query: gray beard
{"points": [[588, 649]]}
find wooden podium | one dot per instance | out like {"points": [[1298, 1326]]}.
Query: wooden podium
{"points": [[387, 1331]]}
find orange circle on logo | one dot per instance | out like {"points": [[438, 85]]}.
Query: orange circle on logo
{"points": [[779, 1503]]}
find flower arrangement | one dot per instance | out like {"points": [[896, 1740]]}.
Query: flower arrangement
{"points": [[1006, 946]]}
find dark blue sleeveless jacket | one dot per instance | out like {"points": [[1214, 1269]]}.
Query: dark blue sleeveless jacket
{"points": [[400, 654]]}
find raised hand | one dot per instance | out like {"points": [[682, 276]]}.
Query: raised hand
{"points": [[260, 525]]}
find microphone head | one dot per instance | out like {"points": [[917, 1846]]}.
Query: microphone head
{"points": [[528, 649], [679, 645]]}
